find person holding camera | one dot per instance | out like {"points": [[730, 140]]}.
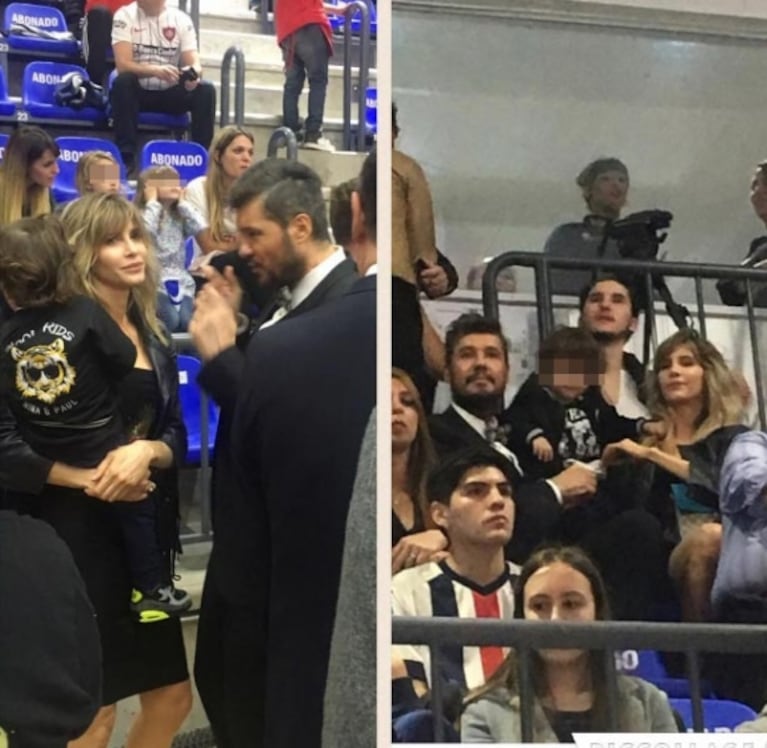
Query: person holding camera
{"points": [[159, 70], [604, 184]]}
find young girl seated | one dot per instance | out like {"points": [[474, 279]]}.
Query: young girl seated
{"points": [[560, 414], [170, 220], [61, 358], [97, 171]]}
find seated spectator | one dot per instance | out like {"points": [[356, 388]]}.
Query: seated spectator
{"points": [[26, 174], [472, 502], [624, 539], [559, 415], [733, 292], [97, 171], [692, 393], [415, 538], [159, 70], [96, 33], [570, 688], [50, 656], [609, 311], [604, 184], [170, 220]]}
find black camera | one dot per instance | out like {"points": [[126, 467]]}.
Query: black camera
{"points": [[188, 74], [638, 234]]}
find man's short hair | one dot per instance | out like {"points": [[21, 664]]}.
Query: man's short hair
{"points": [[368, 194], [472, 323], [630, 287], [446, 477], [589, 174], [341, 211], [287, 189]]}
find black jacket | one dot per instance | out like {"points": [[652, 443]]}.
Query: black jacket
{"points": [[733, 292]]}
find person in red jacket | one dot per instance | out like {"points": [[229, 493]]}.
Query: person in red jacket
{"points": [[305, 37]]}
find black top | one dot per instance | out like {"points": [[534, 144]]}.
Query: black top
{"points": [[565, 724], [139, 403], [399, 531], [59, 367], [733, 292]]}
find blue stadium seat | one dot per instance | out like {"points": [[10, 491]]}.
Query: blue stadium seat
{"points": [[337, 22], [71, 151], [39, 89], [158, 120], [189, 159], [188, 251], [42, 17], [371, 109], [648, 665], [191, 408], [719, 715], [418, 727], [3, 142], [7, 107]]}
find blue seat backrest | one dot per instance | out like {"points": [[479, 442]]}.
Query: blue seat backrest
{"points": [[42, 78], [43, 17], [371, 108], [3, 86], [189, 391], [72, 150], [643, 663], [3, 142], [189, 159], [719, 715]]}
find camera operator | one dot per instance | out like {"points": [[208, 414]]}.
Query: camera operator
{"points": [[604, 184], [733, 292]]}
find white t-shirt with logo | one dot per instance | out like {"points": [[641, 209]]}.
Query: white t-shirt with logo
{"points": [[156, 40]]}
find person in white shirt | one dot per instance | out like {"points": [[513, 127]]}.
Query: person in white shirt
{"points": [[609, 313], [158, 70]]}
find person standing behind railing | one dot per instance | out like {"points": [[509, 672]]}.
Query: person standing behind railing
{"points": [[733, 292], [570, 686]]}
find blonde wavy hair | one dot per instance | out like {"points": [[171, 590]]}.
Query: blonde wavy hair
{"points": [[90, 222], [19, 199], [215, 187], [722, 394]]}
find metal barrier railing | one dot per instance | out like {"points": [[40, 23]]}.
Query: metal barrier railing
{"points": [[267, 25], [542, 265], [194, 14], [236, 54], [283, 137], [605, 636], [363, 75]]}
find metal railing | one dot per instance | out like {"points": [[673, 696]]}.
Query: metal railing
{"points": [[606, 636], [363, 75], [194, 14], [542, 265], [283, 137], [236, 54], [267, 25]]}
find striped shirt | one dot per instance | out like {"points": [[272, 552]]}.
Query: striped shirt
{"points": [[436, 590], [156, 40]]}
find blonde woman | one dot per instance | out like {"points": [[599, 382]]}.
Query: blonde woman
{"points": [[113, 257], [26, 175], [97, 171], [693, 393]]}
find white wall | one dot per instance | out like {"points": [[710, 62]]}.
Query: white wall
{"points": [[503, 113], [743, 8]]}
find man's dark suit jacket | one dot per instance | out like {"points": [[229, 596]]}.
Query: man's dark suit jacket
{"points": [[307, 393], [221, 379], [537, 513]]}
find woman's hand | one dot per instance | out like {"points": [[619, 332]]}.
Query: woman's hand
{"points": [[625, 448], [412, 550], [123, 474]]}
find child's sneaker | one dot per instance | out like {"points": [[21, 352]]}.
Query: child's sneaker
{"points": [[160, 603]]}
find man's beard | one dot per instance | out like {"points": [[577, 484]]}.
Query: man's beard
{"points": [[291, 270], [603, 337], [480, 404]]}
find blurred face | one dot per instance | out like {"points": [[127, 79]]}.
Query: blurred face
{"points": [[151, 7], [681, 377], [237, 157], [404, 417], [759, 196], [478, 366], [559, 592], [607, 195], [168, 190], [43, 171], [481, 510], [104, 176], [569, 378], [607, 311], [271, 251], [121, 260]]}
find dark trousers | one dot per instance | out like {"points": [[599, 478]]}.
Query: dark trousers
{"points": [[230, 667], [147, 564], [129, 98], [306, 54], [97, 33]]}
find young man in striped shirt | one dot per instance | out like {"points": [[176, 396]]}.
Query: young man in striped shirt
{"points": [[472, 502]]}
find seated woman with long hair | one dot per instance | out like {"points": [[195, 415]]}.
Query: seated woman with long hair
{"points": [[415, 539], [693, 393], [570, 686]]}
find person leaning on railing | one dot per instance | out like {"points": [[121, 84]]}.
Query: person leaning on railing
{"points": [[570, 686]]}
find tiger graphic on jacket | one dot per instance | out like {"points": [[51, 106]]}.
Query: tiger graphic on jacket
{"points": [[43, 372]]}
